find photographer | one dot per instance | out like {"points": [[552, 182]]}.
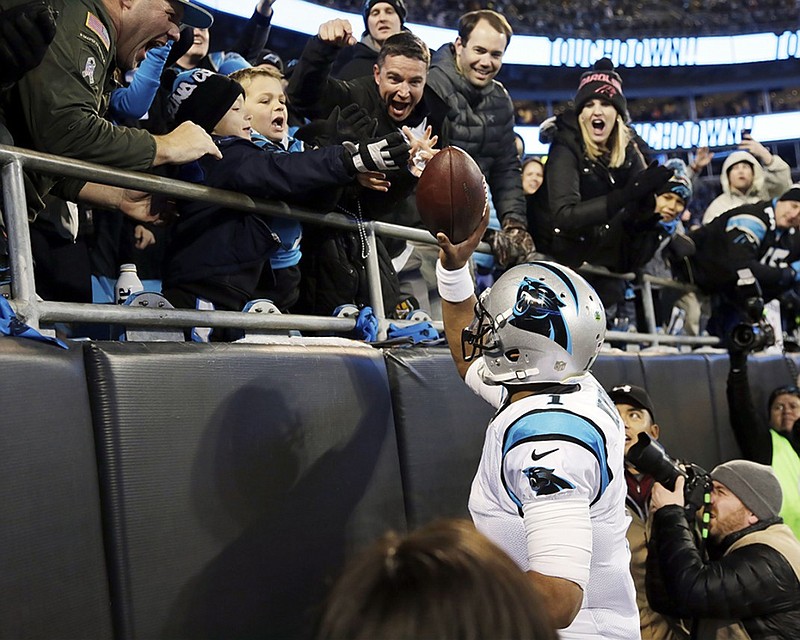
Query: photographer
{"points": [[775, 441], [636, 410], [749, 587], [761, 237]]}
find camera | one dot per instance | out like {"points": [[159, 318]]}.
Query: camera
{"points": [[648, 456], [755, 333]]}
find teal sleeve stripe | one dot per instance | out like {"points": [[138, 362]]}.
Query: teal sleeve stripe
{"points": [[560, 425], [752, 226]]}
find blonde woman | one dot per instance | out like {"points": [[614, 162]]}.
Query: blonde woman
{"points": [[596, 188]]}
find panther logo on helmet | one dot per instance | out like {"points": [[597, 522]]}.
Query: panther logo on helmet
{"points": [[540, 322], [538, 309]]}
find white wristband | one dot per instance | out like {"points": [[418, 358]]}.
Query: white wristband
{"points": [[454, 286]]}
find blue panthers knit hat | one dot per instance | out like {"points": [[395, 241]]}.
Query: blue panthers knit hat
{"points": [[679, 183], [203, 97]]}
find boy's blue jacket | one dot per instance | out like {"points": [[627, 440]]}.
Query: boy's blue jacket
{"points": [[210, 240]]}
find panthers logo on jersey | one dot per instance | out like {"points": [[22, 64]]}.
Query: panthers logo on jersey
{"points": [[544, 482], [538, 310]]}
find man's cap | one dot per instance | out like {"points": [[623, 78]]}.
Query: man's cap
{"points": [[634, 396], [792, 193], [195, 16], [203, 97], [268, 56], [398, 5], [603, 83], [756, 485]]}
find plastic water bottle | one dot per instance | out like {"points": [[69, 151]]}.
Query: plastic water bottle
{"points": [[127, 283]]}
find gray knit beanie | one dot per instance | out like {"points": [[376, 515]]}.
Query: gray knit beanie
{"points": [[756, 485]]}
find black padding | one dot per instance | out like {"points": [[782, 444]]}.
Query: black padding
{"points": [[52, 567], [237, 479], [613, 369], [441, 426], [683, 396]]}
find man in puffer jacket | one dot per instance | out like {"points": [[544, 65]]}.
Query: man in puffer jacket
{"points": [[480, 120], [749, 587], [749, 175]]}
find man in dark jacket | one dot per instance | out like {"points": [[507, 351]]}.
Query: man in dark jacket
{"points": [[750, 585], [394, 94], [480, 120], [762, 237]]}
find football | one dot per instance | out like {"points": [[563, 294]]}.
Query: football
{"points": [[450, 194]]}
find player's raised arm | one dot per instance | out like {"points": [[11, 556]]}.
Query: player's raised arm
{"points": [[457, 289]]}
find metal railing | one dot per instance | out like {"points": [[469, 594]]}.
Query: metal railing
{"points": [[34, 311]]}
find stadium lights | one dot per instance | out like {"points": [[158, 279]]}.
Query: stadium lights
{"points": [[305, 17]]}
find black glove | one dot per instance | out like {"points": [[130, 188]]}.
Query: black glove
{"points": [[354, 124], [25, 33], [380, 154], [351, 124], [512, 244], [638, 186]]}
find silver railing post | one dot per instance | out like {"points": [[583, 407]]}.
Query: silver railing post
{"points": [[374, 281], [23, 286], [649, 308]]}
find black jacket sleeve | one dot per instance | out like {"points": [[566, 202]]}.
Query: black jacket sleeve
{"points": [[253, 37], [746, 583], [311, 91], [505, 178], [285, 176], [749, 426]]}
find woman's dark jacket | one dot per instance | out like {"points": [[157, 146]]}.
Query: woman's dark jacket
{"points": [[568, 216]]}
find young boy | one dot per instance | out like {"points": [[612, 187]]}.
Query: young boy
{"points": [[218, 254], [265, 100]]}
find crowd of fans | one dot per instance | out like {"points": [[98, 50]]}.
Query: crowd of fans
{"points": [[607, 18]]}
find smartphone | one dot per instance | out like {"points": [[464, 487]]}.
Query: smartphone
{"points": [[746, 133]]}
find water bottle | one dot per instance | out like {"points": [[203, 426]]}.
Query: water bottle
{"points": [[127, 283]]}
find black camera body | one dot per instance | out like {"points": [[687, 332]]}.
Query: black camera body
{"points": [[648, 456], [755, 334]]}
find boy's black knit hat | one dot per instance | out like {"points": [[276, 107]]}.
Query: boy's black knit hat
{"points": [[604, 83], [203, 97]]}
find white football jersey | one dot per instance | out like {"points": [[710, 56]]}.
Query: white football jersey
{"points": [[550, 446]]}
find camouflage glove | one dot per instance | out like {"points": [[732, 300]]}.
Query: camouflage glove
{"points": [[512, 245]]}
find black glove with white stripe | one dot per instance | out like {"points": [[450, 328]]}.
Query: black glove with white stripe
{"points": [[380, 154]]}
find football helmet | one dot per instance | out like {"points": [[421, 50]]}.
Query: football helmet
{"points": [[540, 322]]}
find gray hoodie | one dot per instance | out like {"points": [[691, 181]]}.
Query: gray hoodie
{"points": [[768, 182]]}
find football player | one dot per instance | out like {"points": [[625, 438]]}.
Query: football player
{"points": [[550, 488]]}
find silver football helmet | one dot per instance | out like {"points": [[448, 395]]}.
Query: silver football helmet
{"points": [[540, 322]]}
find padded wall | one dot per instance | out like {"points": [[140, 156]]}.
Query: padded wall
{"points": [[52, 567], [441, 424], [440, 431], [237, 479]]}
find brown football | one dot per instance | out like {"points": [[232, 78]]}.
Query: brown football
{"points": [[450, 195]]}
